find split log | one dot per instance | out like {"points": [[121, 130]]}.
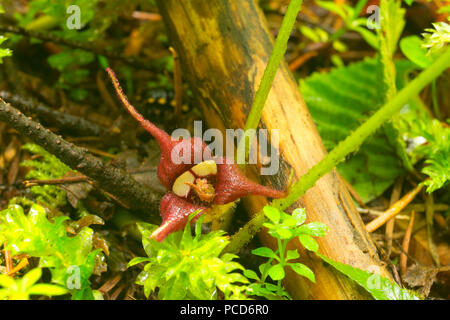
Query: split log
{"points": [[224, 47]]}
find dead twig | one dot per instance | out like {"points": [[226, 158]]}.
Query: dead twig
{"points": [[8, 259], [396, 192], [35, 182], [301, 60], [405, 246], [429, 213], [110, 284], [50, 116], [393, 210], [22, 264]]}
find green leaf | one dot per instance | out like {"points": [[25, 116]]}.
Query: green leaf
{"points": [[292, 254], [137, 260], [276, 272], [333, 7], [308, 242], [436, 150], [315, 229], [31, 277], [287, 220], [46, 289], [187, 267], [339, 101], [35, 235], [6, 281], [303, 270], [284, 233], [250, 274], [264, 252], [412, 48], [299, 214], [369, 36], [379, 287], [272, 213]]}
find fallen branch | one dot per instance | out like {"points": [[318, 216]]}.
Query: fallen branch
{"points": [[111, 179], [53, 117], [393, 210]]}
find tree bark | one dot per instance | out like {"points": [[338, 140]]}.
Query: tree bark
{"points": [[224, 47]]}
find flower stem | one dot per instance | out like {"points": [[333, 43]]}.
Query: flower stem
{"points": [[344, 148], [262, 93]]}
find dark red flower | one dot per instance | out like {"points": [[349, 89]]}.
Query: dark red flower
{"points": [[192, 186]]}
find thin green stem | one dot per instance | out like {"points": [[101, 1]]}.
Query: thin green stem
{"points": [[359, 6], [344, 148], [262, 93], [436, 110]]}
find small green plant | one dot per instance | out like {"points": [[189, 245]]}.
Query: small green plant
{"points": [[47, 166], [22, 288], [284, 228], [436, 39], [3, 52], [352, 21], [71, 260], [186, 266], [436, 151]]}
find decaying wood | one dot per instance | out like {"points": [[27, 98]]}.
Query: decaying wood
{"points": [[224, 47]]}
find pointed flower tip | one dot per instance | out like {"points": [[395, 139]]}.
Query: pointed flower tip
{"points": [[175, 213]]}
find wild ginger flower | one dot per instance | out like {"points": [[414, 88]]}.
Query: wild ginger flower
{"points": [[192, 187]]}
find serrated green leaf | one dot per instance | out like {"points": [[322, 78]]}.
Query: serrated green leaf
{"points": [[379, 287], [186, 267], [339, 101]]}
